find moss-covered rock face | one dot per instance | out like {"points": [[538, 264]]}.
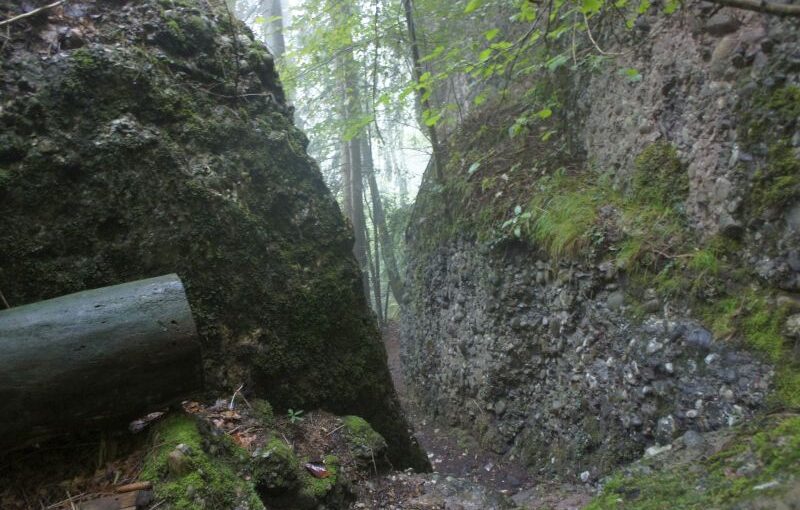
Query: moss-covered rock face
{"points": [[367, 447], [755, 467], [157, 140], [187, 477]]}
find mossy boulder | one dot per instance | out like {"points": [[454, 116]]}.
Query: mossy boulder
{"points": [[367, 446], [276, 469], [198, 479], [135, 155]]}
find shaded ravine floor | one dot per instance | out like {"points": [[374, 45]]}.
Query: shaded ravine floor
{"points": [[455, 453]]}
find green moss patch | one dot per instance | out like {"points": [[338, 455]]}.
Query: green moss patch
{"points": [[769, 119], [203, 480], [762, 464]]}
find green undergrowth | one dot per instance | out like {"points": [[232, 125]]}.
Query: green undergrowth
{"points": [[760, 465]]}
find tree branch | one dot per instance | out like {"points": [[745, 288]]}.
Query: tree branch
{"points": [[762, 6], [32, 13]]}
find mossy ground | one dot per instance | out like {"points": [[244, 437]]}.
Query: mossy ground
{"points": [[760, 465], [266, 465]]}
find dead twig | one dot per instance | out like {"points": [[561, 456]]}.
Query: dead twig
{"points": [[233, 398], [334, 430], [589, 32], [3, 299], [32, 13], [138, 486]]}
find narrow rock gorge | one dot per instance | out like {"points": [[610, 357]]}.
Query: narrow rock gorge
{"points": [[592, 301]]}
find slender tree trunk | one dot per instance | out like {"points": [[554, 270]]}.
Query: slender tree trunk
{"points": [[347, 189], [374, 254], [389, 260], [373, 261], [424, 102], [357, 197], [377, 283], [386, 304], [275, 39]]}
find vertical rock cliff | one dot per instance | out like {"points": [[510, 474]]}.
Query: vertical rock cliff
{"points": [[633, 279]]}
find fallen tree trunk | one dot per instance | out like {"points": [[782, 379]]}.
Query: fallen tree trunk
{"points": [[95, 359]]}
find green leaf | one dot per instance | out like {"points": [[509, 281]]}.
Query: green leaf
{"points": [[644, 5], [485, 54], [517, 210], [491, 34], [480, 99], [545, 113], [472, 5], [672, 6], [260, 20], [518, 231], [432, 55], [546, 136], [430, 118], [556, 62], [473, 168], [632, 74], [502, 45], [591, 6]]}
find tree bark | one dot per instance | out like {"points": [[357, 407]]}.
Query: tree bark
{"points": [[373, 251], [347, 189], [416, 61], [95, 359], [357, 197], [387, 245], [373, 262], [275, 40]]}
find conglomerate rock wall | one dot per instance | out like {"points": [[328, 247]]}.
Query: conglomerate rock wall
{"points": [[552, 359]]}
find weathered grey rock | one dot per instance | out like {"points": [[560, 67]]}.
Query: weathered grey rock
{"points": [[615, 300], [721, 24], [792, 326]]}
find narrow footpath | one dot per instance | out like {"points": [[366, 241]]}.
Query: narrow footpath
{"points": [[455, 453]]}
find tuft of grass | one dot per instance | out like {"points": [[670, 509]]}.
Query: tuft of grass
{"points": [[561, 224], [705, 261]]}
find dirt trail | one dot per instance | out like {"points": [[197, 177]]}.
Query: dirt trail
{"points": [[455, 453]]}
